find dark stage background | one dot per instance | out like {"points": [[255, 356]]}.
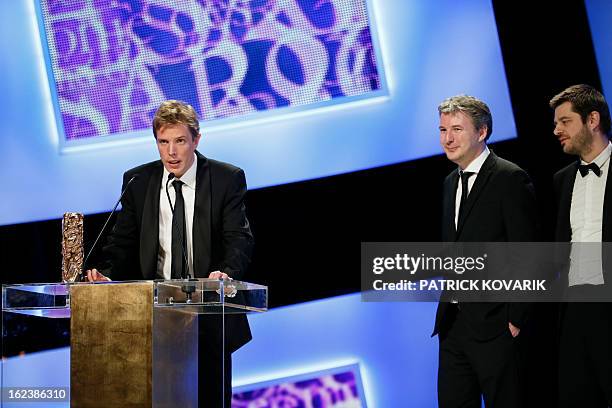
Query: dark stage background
{"points": [[308, 234]]}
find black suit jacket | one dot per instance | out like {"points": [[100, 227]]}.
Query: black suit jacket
{"points": [[563, 182], [501, 207], [222, 238]]}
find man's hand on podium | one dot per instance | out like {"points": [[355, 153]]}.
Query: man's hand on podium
{"points": [[229, 290], [94, 276], [219, 275]]}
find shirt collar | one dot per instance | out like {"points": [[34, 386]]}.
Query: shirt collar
{"points": [[189, 178], [602, 158], [476, 164]]}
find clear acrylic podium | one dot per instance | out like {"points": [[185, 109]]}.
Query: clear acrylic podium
{"points": [[132, 344]]}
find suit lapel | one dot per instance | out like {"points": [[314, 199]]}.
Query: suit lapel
{"points": [[149, 229], [202, 228], [564, 231], [450, 192], [481, 181]]}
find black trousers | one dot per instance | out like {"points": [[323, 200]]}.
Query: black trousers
{"points": [[585, 355], [212, 391], [214, 365], [470, 369]]}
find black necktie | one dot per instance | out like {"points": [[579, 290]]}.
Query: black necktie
{"points": [[584, 169], [465, 177], [179, 250]]}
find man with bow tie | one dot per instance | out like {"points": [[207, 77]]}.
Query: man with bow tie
{"points": [[584, 197]]}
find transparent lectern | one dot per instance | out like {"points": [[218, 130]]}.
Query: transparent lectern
{"points": [[132, 344]]}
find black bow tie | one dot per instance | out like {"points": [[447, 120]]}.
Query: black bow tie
{"points": [[584, 169]]}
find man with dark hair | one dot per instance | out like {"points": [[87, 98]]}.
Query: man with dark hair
{"points": [[486, 199], [204, 232], [584, 197]]}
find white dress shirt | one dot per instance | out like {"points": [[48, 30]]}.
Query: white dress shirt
{"points": [[473, 167], [164, 257], [586, 220]]}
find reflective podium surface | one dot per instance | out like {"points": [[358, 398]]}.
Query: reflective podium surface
{"points": [[134, 343]]}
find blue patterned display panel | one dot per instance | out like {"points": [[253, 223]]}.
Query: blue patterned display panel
{"points": [[114, 61], [341, 389]]}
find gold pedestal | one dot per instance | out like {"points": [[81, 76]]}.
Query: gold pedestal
{"points": [[111, 345]]}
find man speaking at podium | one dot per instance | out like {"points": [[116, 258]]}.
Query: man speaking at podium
{"points": [[183, 215]]}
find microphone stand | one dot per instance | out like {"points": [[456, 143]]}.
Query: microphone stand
{"points": [[82, 276]]}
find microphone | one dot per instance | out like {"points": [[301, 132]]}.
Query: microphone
{"points": [[171, 176], [106, 223]]}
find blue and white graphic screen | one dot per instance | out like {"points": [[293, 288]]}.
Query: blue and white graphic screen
{"points": [[113, 63], [288, 90]]}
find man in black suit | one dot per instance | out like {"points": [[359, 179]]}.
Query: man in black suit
{"points": [[487, 199], [204, 233], [584, 197]]}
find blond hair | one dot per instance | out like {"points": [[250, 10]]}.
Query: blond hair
{"points": [[173, 112]]}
